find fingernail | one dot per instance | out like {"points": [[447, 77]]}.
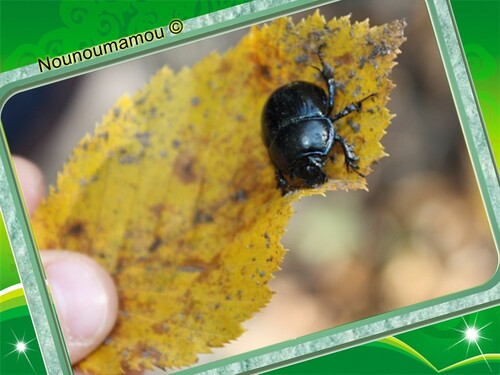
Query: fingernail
{"points": [[81, 295]]}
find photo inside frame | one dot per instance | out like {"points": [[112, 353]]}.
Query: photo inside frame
{"points": [[419, 233]]}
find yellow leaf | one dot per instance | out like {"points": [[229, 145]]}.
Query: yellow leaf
{"points": [[176, 197]]}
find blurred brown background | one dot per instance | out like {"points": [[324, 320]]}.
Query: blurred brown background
{"points": [[420, 232]]}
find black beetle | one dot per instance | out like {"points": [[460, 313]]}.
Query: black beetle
{"points": [[299, 134]]}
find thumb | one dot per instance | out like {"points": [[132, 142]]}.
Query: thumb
{"points": [[85, 298], [31, 180]]}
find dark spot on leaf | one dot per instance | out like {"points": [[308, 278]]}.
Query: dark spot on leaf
{"points": [[116, 112], [262, 273], [140, 100], [129, 159], [176, 143], [354, 126], [143, 138], [193, 265], [380, 50], [195, 101], [150, 352], [268, 240], [154, 245], [202, 217], [240, 196], [314, 36], [104, 135], [161, 327], [224, 67], [190, 269], [76, 229], [184, 168], [340, 85], [85, 182], [302, 59], [345, 59], [265, 72], [157, 209], [362, 62]]}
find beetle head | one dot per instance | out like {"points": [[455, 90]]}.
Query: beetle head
{"points": [[309, 170]]}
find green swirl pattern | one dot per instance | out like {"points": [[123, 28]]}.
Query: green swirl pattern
{"points": [[469, 344], [54, 28]]}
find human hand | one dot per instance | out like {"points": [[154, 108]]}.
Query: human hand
{"points": [[84, 294]]}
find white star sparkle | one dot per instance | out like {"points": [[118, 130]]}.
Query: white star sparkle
{"points": [[471, 334], [21, 347]]}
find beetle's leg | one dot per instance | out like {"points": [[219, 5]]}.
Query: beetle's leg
{"points": [[350, 156], [282, 184], [351, 160], [350, 108], [327, 73]]}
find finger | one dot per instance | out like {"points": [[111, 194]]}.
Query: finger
{"points": [[85, 298], [31, 181]]}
